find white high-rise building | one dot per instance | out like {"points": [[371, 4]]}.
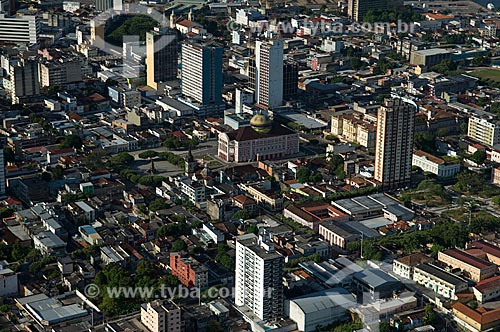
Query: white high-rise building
{"points": [[269, 73], [201, 77], [259, 274], [22, 29]]}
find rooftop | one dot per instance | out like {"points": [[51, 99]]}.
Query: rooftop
{"points": [[466, 258], [326, 299], [441, 274]]}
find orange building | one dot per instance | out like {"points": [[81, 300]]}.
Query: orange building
{"points": [[189, 271]]}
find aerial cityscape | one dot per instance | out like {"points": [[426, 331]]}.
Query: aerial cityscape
{"points": [[250, 165]]}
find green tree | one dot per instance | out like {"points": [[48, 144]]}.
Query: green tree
{"points": [[241, 214], [179, 245], [303, 174], [158, 204], [478, 157], [430, 315], [72, 141], [425, 141], [356, 63], [121, 160], [148, 154]]}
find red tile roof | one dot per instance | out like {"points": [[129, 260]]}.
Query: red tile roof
{"points": [[488, 248], [487, 284], [479, 315], [467, 258]]}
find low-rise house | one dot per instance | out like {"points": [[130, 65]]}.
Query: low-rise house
{"points": [[49, 244], [9, 283], [90, 235], [114, 255]]}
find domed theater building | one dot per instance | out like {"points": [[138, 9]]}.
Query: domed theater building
{"points": [[262, 140]]}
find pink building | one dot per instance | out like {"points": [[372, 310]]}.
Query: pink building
{"points": [[261, 140]]}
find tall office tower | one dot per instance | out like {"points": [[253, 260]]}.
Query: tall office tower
{"points": [[2, 172], [24, 80], [201, 77], [357, 9], [161, 316], [22, 29], [161, 56], [269, 73], [290, 79], [8, 7], [259, 272], [394, 143]]}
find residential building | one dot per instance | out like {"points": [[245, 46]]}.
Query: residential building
{"points": [[312, 214], [404, 266], [394, 143], [259, 271], [262, 140], [269, 73], [321, 308], [495, 175], [161, 316], [90, 235], [21, 29], [484, 130], [60, 72], [435, 165], [161, 56], [354, 128], [189, 271], [9, 283], [357, 9], [24, 79], [49, 244], [440, 281], [114, 255], [263, 196], [487, 290], [201, 77], [475, 268], [194, 190], [245, 203]]}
